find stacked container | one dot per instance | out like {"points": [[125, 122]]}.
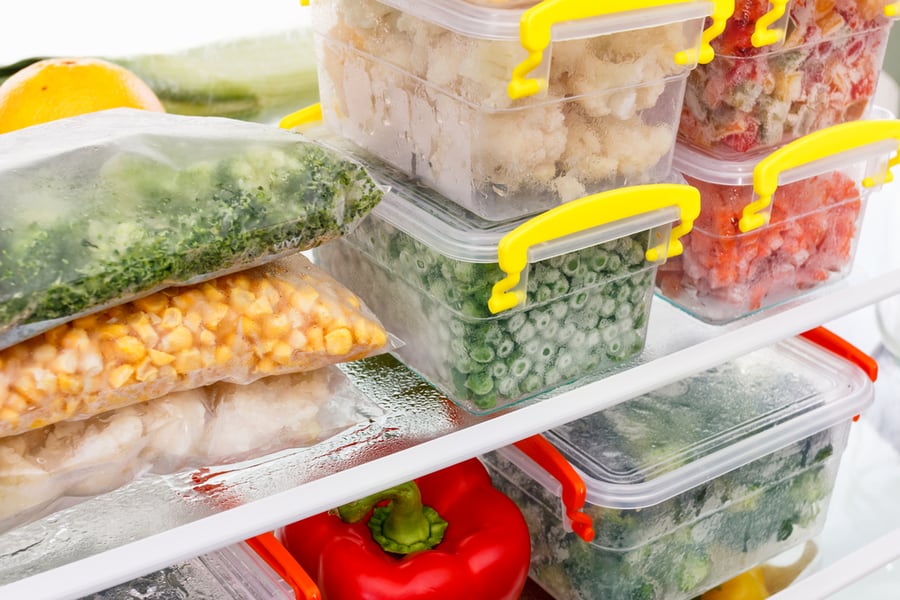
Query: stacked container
{"points": [[507, 111], [532, 198], [783, 70], [772, 134], [695, 482], [774, 228]]}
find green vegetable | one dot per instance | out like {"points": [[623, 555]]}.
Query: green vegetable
{"points": [[77, 243], [587, 311], [258, 79]]}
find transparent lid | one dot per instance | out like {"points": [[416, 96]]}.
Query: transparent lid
{"points": [[500, 20], [646, 450], [446, 227], [234, 572], [696, 164]]}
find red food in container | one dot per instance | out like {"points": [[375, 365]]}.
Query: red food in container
{"points": [[746, 254]]}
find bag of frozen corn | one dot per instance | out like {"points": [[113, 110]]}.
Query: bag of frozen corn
{"points": [[283, 317], [105, 207], [220, 424]]}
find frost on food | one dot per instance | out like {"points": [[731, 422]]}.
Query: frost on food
{"points": [[215, 425], [453, 83]]}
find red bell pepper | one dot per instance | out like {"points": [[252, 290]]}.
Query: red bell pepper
{"points": [[470, 541]]}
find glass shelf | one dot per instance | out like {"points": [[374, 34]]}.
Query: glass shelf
{"points": [[160, 520]]}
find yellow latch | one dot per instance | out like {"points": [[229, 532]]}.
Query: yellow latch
{"points": [[304, 116], [762, 35], [585, 214], [537, 22], [810, 148]]}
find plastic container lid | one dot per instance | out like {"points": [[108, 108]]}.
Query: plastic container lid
{"points": [[699, 165], [461, 235], [234, 572], [644, 451], [492, 23]]}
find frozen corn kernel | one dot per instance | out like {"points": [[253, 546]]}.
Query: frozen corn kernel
{"points": [[241, 299], [214, 313], [120, 376], [155, 303], [259, 308], [130, 349], [171, 318], [188, 360], [111, 331], [177, 340], [186, 300], [338, 341], [212, 293], [315, 339], [159, 358]]}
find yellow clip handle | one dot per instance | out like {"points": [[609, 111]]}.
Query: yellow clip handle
{"points": [[537, 22], [762, 35], [892, 10], [304, 116], [587, 213], [722, 11], [810, 148]]}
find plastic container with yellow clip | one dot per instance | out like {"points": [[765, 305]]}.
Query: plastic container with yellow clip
{"points": [[494, 313], [771, 230], [509, 112], [802, 66]]}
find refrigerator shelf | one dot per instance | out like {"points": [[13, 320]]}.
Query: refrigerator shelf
{"points": [[160, 520]]}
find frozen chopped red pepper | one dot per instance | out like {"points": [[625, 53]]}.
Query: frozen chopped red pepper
{"points": [[724, 273], [469, 541]]}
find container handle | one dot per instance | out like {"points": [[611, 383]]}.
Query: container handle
{"points": [[762, 35], [304, 116], [574, 492], [585, 214], [272, 551], [810, 148], [836, 344], [537, 22]]}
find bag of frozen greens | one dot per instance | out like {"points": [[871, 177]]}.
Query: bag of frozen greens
{"points": [[106, 207]]}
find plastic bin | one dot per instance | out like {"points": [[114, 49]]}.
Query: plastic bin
{"points": [[754, 103], [771, 230], [695, 482], [493, 313], [241, 571], [761, 27], [446, 91]]}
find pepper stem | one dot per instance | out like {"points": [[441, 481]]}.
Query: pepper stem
{"points": [[404, 525]]}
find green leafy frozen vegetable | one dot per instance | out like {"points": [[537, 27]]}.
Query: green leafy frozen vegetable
{"points": [[70, 244]]}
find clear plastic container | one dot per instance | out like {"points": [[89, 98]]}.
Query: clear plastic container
{"points": [[764, 26], [235, 572], [753, 103], [771, 230], [446, 91], [695, 482], [493, 313]]}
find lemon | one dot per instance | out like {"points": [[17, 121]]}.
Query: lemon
{"points": [[56, 88]]}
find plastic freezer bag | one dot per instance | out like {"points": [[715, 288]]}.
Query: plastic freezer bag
{"points": [[220, 424], [103, 208], [283, 317]]}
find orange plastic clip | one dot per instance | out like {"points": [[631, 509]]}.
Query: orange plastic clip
{"points": [[272, 551], [834, 343], [574, 491]]}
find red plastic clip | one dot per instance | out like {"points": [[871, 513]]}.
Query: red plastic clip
{"points": [[574, 492], [838, 345], [834, 343], [272, 551]]}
